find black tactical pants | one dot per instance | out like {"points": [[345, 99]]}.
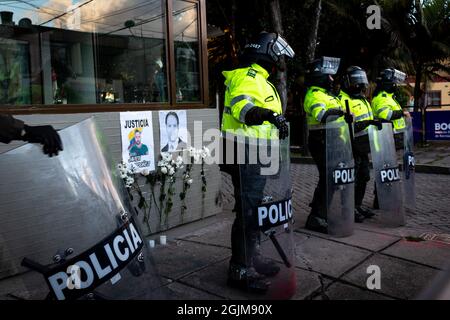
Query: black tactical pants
{"points": [[316, 145], [361, 150], [248, 192]]}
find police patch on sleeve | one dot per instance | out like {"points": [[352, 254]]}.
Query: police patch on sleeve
{"points": [[252, 73]]}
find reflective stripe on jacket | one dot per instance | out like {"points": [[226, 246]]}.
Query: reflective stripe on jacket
{"points": [[247, 88]]}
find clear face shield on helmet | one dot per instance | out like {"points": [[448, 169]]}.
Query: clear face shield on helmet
{"points": [[357, 83], [281, 48], [394, 75], [330, 65]]}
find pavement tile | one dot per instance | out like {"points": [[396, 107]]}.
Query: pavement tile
{"points": [[219, 234], [214, 280], [360, 238], [399, 278], [179, 258], [307, 283], [342, 291], [432, 253], [180, 291], [325, 256]]}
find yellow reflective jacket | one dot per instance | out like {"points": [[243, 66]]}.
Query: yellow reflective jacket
{"points": [[383, 105], [317, 102], [247, 88], [360, 108]]}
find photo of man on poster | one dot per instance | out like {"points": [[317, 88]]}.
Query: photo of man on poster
{"points": [[173, 131], [136, 147]]}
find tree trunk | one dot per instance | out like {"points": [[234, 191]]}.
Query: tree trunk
{"points": [[281, 73], [233, 39], [309, 56], [417, 95], [417, 88], [312, 41]]}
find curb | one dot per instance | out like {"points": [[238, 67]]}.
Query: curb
{"points": [[420, 168]]}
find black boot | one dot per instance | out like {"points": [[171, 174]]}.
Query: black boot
{"points": [[247, 279], [315, 223], [367, 213], [265, 266], [359, 218]]}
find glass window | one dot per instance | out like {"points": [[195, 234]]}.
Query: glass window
{"points": [[132, 66], [434, 98], [84, 52], [186, 46], [15, 78]]}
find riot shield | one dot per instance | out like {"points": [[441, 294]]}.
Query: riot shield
{"points": [[387, 175], [409, 184], [67, 231], [265, 189], [340, 172]]}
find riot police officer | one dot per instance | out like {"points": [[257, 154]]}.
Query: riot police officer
{"points": [[354, 87], [321, 106], [253, 110], [384, 103], [15, 129], [386, 108]]}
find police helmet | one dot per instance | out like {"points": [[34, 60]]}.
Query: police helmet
{"points": [[391, 75], [390, 78], [319, 71], [268, 47], [355, 81]]}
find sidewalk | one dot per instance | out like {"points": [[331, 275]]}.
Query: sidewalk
{"points": [[196, 259], [436, 154]]}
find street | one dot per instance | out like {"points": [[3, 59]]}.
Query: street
{"points": [[327, 268]]}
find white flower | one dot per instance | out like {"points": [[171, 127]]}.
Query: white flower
{"points": [[206, 152], [166, 156], [164, 170], [145, 172], [189, 181], [171, 171], [130, 180], [123, 175], [162, 163], [179, 162]]}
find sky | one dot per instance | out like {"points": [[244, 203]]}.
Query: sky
{"points": [[103, 16]]}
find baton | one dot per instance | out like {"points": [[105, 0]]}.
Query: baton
{"points": [[35, 266], [275, 242], [350, 128]]}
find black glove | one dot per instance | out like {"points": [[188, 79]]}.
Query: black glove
{"points": [[348, 117], [256, 116], [361, 125], [279, 121], [331, 112], [45, 135], [397, 114], [377, 123]]}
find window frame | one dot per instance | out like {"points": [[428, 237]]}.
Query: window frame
{"points": [[151, 106]]}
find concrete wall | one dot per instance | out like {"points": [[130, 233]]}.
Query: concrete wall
{"points": [[199, 205]]}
